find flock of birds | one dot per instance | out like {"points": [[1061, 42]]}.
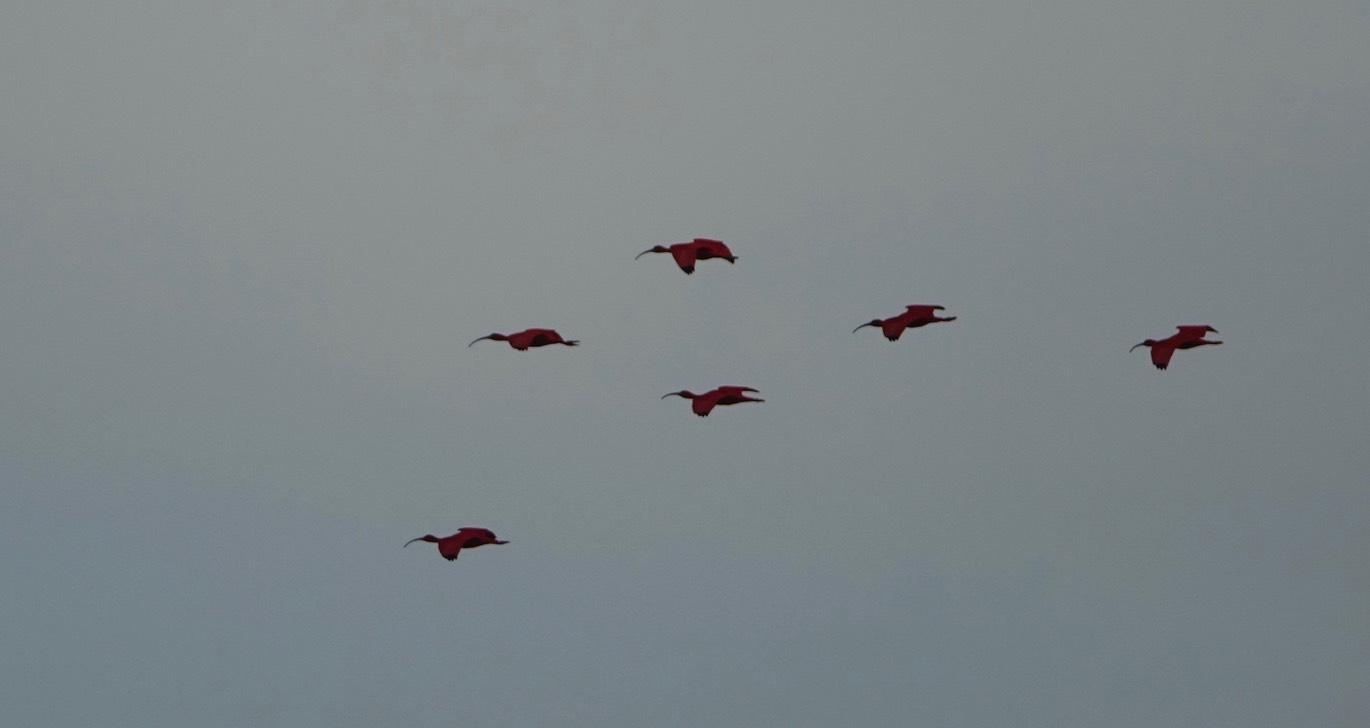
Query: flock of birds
{"points": [[686, 255]]}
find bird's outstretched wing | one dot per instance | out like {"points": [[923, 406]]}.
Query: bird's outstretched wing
{"points": [[923, 311], [1190, 333], [1161, 352], [684, 256]]}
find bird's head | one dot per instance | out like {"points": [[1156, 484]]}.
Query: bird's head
{"points": [[492, 337], [877, 323], [653, 249], [1148, 342], [430, 538]]}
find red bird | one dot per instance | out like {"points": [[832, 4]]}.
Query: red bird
{"points": [[531, 337], [686, 254], [703, 404], [466, 538], [1188, 338], [911, 318]]}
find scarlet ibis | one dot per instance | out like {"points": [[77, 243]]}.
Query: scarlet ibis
{"points": [[530, 337], [686, 254], [466, 538], [911, 318], [703, 404], [1187, 338]]}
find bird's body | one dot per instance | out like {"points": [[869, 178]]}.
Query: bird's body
{"points": [[911, 318], [466, 538], [1188, 337], [529, 338], [703, 404], [686, 254]]}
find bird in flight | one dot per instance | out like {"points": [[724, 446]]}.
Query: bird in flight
{"points": [[686, 254], [529, 337], [1187, 338], [703, 404], [466, 538], [911, 318]]}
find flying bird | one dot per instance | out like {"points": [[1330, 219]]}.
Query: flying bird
{"points": [[530, 337], [1187, 338], [703, 404], [466, 538], [686, 254], [911, 318]]}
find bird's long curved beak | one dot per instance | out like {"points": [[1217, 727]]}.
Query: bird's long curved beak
{"points": [[1135, 346], [412, 540], [670, 394], [639, 255], [473, 342], [862, 326]]}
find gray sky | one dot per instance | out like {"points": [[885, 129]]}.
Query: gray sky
{"points": [[243, 247]]}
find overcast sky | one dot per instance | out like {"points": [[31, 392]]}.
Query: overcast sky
{"points": [[243, 247]]}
